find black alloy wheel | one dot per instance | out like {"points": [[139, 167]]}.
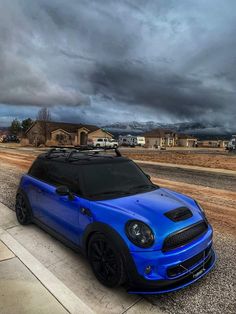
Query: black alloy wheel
{"points": [[23, 213], [106, 261]]}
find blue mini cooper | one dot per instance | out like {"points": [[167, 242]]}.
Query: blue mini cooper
{"points": [[133, 232]]}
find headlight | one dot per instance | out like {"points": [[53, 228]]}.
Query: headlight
{"points": [[139, 233]]}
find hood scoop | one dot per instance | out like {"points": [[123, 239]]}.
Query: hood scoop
{"points": [[179, 214]]}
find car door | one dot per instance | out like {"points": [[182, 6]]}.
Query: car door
{"points": [[59, 213], [37, 177]]}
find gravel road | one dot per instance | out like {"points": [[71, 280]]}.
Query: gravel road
{"points": [[216, 292], [204, 178], [9, 181]]}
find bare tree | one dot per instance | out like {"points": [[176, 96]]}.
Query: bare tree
{"points": [[43, 116]]}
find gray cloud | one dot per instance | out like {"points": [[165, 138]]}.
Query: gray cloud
{"points": [[166, 60]]}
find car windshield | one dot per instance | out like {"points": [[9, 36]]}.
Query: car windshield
{"points": [[110, 180]]}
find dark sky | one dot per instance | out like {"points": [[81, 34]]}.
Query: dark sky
{"points": [[105, 61]]}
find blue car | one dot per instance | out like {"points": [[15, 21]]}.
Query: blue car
{"points": [[134, 233]]}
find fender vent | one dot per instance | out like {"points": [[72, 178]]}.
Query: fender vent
{"points": [[179, 214], [184, 236]]}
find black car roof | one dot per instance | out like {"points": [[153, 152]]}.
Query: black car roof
{"points": [[83, 156]]}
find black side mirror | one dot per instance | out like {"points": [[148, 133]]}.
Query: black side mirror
{"points": [[148, 176], [64, 191]]}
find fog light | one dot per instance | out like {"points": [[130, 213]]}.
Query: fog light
{"points": [[148, 270]]}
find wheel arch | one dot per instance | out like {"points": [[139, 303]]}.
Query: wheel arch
{"points": [[21, 191], [98, 227]]}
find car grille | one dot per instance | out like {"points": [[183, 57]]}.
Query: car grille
{"points": [[184, 236], [179, 214], [177, 270]]}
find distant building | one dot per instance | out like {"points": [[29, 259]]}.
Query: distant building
{"points": [[62, 134], [185, 140], [160, 138], [213, 143], [231, 145]]}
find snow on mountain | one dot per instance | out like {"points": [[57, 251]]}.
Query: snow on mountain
{"points": [[194, 128]]}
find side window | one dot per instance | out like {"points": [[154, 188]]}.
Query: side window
{"points": [[39, 170], [99, 140], [64, 174], [57, 173]]}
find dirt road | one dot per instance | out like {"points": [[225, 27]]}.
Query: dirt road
{"points": [[203, 158], [215, 192]]}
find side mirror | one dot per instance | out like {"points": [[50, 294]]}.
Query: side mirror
{"points": [[148, 176], [63, 190]]}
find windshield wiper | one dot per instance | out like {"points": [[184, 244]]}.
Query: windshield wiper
{"points": [[143, 186], [116, 192], [122, 192]]}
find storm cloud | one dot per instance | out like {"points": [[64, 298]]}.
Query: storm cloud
{"points": [[104, 60]]}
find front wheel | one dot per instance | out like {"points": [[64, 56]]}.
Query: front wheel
{"points": [[106, 261], [23, 212]]}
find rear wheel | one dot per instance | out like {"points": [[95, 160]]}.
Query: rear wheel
{"points": [[23, 212], [106, 261]]}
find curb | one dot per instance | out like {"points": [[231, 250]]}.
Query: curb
{"points": [[61, 292]]}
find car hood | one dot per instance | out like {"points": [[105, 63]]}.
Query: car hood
{"points": [[150, 207]]}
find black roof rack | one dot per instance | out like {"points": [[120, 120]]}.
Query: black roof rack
{"points": [[70, 151], [54, 150]]}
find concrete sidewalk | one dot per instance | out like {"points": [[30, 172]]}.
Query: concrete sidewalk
{"points": [[38, 274], [26, 286], [20, 291]]}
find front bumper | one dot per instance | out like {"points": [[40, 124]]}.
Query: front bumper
{"points": [[144, 286], [159, 279]]}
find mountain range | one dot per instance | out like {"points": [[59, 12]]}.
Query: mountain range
{"points": [[201, 130]]}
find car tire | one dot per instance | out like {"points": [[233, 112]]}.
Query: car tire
{"points": [[98, 145], [106, 261], [23, 211]]}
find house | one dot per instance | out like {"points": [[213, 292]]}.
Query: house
{"points": [[185, 140], [160, 138], [213, 143], [52, 133]]}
